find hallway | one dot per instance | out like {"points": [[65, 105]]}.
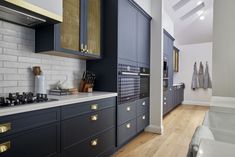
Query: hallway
{"points": [[179, 126]]}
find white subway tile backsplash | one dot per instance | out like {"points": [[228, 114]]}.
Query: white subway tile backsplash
{"points": [[8, 83], [8, 58], [8, 71], [29, 60], [17, 58], [1, 77]]}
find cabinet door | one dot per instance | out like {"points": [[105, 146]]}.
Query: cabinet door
{"points": [[70, 27], [93, 27], [40, 142], [143, 39], [127, 31]]}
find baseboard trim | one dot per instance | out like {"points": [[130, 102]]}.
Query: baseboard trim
{"points": [[154, 129], [199, 103]]}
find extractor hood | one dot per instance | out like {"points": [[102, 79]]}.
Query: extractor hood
{"points": [[19, 17]]}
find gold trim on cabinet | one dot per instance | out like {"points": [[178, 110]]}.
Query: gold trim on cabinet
{"points": [[5, 128], [5, 147], [94, 117], [36, 9], [94, 142]]}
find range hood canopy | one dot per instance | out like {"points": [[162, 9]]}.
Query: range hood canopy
{"points": [[19, 17]]}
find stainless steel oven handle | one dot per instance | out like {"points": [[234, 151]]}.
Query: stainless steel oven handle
{"points": [[129, 73], [141, 74]]}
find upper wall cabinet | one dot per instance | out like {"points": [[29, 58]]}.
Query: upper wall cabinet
{"points": [[78, 36], [48, 10], [133, 34]]}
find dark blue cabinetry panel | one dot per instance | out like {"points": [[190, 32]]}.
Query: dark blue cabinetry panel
{"points": [[84, 129]]}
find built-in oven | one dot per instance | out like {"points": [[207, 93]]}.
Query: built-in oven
{"points": [[128, 83], [144, 82]]}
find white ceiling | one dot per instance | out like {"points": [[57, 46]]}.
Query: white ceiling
{"points": [[192, 29]]}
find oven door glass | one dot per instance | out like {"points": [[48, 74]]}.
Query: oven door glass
{"points": [[128, 89], [144, 87]]}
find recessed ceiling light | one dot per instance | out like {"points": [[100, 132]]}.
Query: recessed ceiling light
{"points": [[200, 2], [200, 12], [202, 17]]}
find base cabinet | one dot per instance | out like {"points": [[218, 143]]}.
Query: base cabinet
{"points": [[77, 130], [40, 142], [95, 146]]}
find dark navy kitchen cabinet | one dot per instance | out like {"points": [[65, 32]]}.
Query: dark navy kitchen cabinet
{"points": [[126, 42], [127, 31], [143, 40], [82, 129], [27, 133], [78, 36]]}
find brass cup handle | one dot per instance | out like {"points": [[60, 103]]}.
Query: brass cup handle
{"points": [[94, 107], [5, 128], [5, 147], [86, 49], [144, 103], [128, 126], [128, 108], [94, 117], [94, 142]]}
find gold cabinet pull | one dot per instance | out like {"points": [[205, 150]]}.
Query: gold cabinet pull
{"points": [[94, 117], [128, 108], [128, 126], [143, 117], [5, 128], [5, 147], [144, 103], [94, 107], [94, 142], [86, 49]]}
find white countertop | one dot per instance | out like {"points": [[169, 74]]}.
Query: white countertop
{"points": [[62, 101], [210, 148]]}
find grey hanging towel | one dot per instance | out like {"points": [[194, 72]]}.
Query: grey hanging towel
{"points": [[194, 84], [207, 78], [201, 76]]}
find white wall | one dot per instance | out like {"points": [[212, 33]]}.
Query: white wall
{"points": [[145, 4], [156, 125], [17, 56], [167, 23], [189, 54], [223, 49]]}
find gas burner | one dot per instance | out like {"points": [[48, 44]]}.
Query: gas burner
{"points": [[15, 99]]}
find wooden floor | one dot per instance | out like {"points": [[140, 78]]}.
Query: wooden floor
{"points": [[179, 126]]}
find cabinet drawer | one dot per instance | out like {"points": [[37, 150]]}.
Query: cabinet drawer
{"points": [[79, 128], [40, 142], [126, 112], [142, 122], [92, 147], [142, 106], [126, 131], [86, 107], [25, 121]]}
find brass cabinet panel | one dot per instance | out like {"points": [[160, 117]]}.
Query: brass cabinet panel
{"points": [[70, 27], [94, 26]]}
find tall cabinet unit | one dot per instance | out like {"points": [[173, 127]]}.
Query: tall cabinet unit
{"points": [[168, 45], [126, 41], [173, 95]]}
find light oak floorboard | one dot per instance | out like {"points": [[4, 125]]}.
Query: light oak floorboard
{"points": [[179, 126]]}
